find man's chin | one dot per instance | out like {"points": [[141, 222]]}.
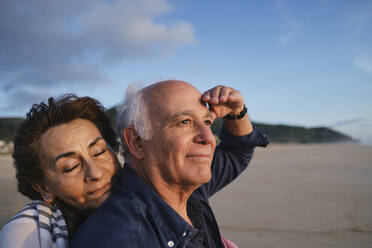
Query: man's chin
{"points": [[202, 177]]}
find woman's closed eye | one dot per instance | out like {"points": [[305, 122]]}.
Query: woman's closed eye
{"points": [[99, 153], [67, 170]]}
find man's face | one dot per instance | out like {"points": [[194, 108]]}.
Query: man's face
{"points": [[182, 145]]}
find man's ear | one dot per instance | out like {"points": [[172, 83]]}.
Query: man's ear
{"points": [[47, 196], [134, 142]]}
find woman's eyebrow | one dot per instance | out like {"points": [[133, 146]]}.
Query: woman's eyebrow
{"points": [[63, 155], [94, 142], [68, 154]]}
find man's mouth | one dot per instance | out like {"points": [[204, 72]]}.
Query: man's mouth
{"points": [[199, 157]]}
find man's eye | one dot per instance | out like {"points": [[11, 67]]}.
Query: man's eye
{"points": [[99, 153], [185, 122], [208, 122], [71, 169]]}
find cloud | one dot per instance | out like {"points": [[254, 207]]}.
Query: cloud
{"points": [[292, 28], [324, 2], [23, 98], [47, 42], [360, 30], [54, 75], [360, 21], [364, 64]]}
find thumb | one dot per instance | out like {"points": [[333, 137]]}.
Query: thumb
{"points": [[214, 116]]}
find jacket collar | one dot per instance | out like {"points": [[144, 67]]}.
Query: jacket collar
{"points": [[173, 226]]}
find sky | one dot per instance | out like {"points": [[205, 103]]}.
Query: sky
{"points": [[303, 63]]}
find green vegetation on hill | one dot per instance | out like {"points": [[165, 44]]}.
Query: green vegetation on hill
{"points": [[7, 128], [112, 114], [294, 134], [276, 133]]}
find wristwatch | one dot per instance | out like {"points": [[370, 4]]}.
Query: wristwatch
{"points": [[236, 117]]}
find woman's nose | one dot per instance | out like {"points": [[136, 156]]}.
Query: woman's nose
{"points": [[93, 171]]}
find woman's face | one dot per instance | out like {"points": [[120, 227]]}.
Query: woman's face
{"points": [[79, 165]]}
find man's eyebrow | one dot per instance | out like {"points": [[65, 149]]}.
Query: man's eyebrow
{"points": [[178, 114], [94, 142], [188, 112]]}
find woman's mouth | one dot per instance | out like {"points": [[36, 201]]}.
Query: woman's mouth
{"points": [[95, 194]]}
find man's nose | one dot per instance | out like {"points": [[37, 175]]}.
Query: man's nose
{"points": [[204, 134], [92, 170]]}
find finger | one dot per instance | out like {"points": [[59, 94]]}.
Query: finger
{"points": [[224, 94], [206, 96], [215, 93], [234, 95], [235, 98]]}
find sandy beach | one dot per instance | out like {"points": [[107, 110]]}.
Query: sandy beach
{"points": [[289, 196]]}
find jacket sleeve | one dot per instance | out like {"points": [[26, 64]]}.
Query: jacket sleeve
{"points": [[231, 157]]}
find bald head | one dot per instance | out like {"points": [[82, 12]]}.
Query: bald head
{"points": [[167, 84], [161, 97], [163, 89], [143, 107]]}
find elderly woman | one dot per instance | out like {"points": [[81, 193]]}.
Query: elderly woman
{"points": [[65, 160]]}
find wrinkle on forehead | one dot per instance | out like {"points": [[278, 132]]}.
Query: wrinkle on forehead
{"points": [[65, 135], [162, 98], [161, 89]]}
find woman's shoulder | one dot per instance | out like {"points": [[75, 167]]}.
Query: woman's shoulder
{"points": [[37, 221], [29, 213], [22, 229]]}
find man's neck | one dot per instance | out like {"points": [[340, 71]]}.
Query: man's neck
{"points": [[175, 196]]}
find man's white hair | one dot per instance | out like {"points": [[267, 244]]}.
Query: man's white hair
{"points": [[133, 112]]}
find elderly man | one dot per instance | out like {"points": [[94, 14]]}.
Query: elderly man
{"points": [[161, 199]]}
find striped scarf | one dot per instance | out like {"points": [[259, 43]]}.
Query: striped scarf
{"points": [[52, 226]]}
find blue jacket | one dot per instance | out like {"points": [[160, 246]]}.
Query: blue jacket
{"points": [[136, 216]]}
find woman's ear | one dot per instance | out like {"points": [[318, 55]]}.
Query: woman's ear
{"points": [[47, 196], [133, 142]]}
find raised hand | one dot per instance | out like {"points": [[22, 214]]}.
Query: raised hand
{"points": [[223, 100]]}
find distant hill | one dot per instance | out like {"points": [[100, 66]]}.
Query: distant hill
{"points": [[7, 128], [295, 134], [276, 133]]}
